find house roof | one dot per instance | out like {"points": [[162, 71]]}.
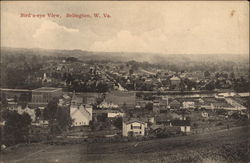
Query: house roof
{"points": [[175, 78], [247, 94], [77, 99], [222, 104], [167, 117], [46, 89], [178, 122], [174, 102], [80, 109], [128, 121], [105, 104], [240, 100], [14, 90]]}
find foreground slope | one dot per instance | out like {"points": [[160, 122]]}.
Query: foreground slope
{"points": [[221, 146]]}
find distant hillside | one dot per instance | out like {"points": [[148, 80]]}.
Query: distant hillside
{"points": [[124, 56]]}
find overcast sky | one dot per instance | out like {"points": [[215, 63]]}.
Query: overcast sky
{"points": [[160, 27]]}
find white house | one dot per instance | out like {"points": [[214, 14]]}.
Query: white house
{"points": [[115, 114], [2, 123], [188, 104], [81, 115], [106, 105], [133, 127]]}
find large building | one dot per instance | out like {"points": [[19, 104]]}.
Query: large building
{"points": [[122, 99], [16, 93], [45, 94]]}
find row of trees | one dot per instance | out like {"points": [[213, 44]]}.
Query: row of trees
{"points": [[16, 128], [18, 70], [58, 117]]}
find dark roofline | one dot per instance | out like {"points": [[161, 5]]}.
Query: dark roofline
{"points": [[46, 89], [181, 122], [15, 90], [135, 120]]}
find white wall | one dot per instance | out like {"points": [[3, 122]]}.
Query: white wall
{"points": [[185, 128], [80, 115], [112, 115], [139, 131]]}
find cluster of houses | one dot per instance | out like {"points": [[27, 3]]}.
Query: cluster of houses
{"points": [[161, 80], [139, 116]]}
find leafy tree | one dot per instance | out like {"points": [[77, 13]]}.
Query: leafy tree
{"points": [[210, 86], [38, 113], [206, 74], [15, 98], [63, 118], [24, 98], [99, 100], [217, 84], [4, 99], [131, 71], [149, 106], [217, 74], [16, 128], [26, 119], [232, 76], [118, 123], [52, 108], [46, 114], [225, 75]]}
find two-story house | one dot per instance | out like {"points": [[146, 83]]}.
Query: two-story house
{"points": [[133, 127]]}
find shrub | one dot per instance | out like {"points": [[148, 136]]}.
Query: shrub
{"points": [[219, 124]]}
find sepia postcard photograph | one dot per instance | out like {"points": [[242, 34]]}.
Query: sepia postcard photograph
{"points": [[124, 82]]}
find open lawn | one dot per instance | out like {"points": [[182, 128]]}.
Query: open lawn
{"points": [[220, 146]]}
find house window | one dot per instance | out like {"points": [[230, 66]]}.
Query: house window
{"points": [[131, 127], [137, 127]]}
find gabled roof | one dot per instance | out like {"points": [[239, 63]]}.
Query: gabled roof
{"points": [[77, 99], [175, 78], [167, 117], [174, 102], [82, 110], [46, 89], [105, 104], [128, 121]]}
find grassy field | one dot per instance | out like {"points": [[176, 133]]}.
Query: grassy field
{"points": [[221, 146]]}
